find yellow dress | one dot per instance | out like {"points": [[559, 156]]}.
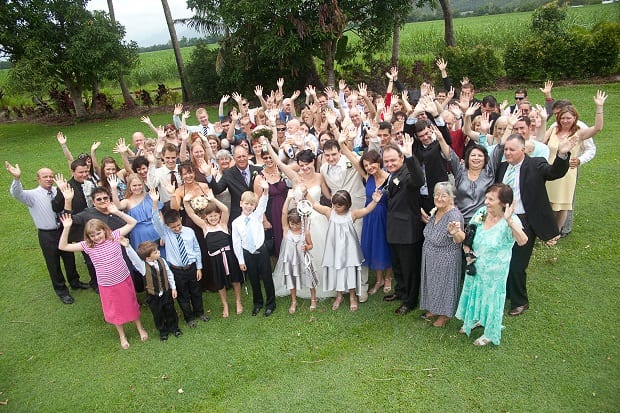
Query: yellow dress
{"points": [[561, 191]]}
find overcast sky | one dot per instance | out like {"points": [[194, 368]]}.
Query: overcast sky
{"points": [[144, 20]]}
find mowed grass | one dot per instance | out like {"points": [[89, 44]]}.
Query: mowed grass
{"points": [[561, 356]]}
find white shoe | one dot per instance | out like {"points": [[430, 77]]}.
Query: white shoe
{"points": [[482, 341]]}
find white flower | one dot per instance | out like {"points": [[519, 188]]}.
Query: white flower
{"points": [[432, 213], [396, 181]]}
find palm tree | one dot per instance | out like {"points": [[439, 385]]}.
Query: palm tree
{"points": [[177, 50], [129, 102]]}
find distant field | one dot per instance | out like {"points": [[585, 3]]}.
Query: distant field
{"points": [[419, 41]]}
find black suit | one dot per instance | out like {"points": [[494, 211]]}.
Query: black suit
{"points": [[404, 230], [538, 219], [235, 183]]}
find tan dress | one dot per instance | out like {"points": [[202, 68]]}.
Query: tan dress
{"points": [[561, 191]]}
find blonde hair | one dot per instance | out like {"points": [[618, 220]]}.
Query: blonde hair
{"points": [[250, 197], [96, 225]]}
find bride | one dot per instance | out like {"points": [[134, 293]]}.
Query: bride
{"points": [[306, 179]]}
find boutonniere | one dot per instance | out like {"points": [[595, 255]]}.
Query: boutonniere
{"points": [[396, 181], [254, 173], [349, 165], [432, 213], [480, 218]]}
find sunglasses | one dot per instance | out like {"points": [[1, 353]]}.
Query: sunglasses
{"points": [[102, 199], [519, 97], [280, 129]]}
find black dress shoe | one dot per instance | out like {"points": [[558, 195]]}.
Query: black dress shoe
{"points": [[402, 310], [191, 324], [390, 297], [518, 310], [66, 298], [255, 311], [163, 337], [269, 311], [80, 286], [204, 318], [177, 333]]}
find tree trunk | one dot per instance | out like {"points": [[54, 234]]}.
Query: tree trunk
{"points": [[129, 102], [94, 106], [76, 97], [328, 65], [447, 18], [177, 50], [395, 44]]}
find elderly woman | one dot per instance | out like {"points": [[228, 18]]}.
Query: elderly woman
{"points": [[561, 191], [483, 296], [441, 257]]}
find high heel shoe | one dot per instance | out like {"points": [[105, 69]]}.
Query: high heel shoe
{"points": [[376, 288], [387, 287], [353, 305]]}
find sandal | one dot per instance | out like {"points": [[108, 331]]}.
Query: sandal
{"points": [[293, 307], [481, 341], [313, 305], [388, 285], [336, 303], [441, 321], [353, 305], [144, 335], [376, 288], [428, 316]]}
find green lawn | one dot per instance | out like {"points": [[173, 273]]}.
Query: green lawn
{"points": [[562, 356]]}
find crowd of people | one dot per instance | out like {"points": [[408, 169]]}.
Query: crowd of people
{"points": [[439, 194]]}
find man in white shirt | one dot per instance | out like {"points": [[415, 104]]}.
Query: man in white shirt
{"points": [[168, 173]]}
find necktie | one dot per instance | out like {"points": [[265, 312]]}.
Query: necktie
{"points": [[510, 175], [182, 250], [205, 130], [250, 238], [173, 180], [246, 177]]}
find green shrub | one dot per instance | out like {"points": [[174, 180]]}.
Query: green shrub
{"points": [[481, 64]]}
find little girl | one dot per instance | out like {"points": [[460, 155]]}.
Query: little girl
{"points": [[213, 219], [116, 290], [343, 255], [291, 262]]}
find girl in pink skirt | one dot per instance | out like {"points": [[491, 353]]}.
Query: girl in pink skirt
{"points": [[117, 293]]}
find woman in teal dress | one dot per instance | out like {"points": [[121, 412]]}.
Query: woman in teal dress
{"points": [[483, 295]]}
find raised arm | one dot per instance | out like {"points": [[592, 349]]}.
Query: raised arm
{"points": [[63, 244], [93, 157], [599, 101], [62, 140], [130, 222], [359, 213]]}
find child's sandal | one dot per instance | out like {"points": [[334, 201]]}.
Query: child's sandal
{"points": [[313, 305]]}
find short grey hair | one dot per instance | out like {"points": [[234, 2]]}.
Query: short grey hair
{"points": [[223, 153], [445, 187]]}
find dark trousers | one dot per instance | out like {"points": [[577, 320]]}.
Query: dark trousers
{"points": [[516, 289], [48, 241], [406, 266], [189, 294], [259, 269], [164, 314]]}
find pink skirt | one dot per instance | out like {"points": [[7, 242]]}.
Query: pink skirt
{"points": [[119, 302]]}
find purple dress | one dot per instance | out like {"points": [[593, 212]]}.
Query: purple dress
{"points": [[374, 242], [277, 197]]}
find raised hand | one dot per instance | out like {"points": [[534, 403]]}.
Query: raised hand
{"points": [[236, 96], [120, 146], [546, 89], [224, 98], [60, 181], [376, 196], [431, 92], [407, 146], [263, 184], [342, 84], [394, 73], [204, 167], [405, 95], [503, 105], [113, 182], [146, 120], [13, 170], [450, 94], [387, 114], [178, 109], [61, 138], [124, 241], [161, 133], [542, 112], [330, 116], [464, 80], [187, 198], [112, 209], [566, 144], [441, 64], [153, 194], [485, 123], [258, 91], [94, 146], [67, 192], [514, 118], [600, 98], [280, 82], [168, 187], [311, 90], [184, 133], [66, 220], [509, 209], [454, 227], [186, 114], [330, 92], [472, 109], [295, 95]]}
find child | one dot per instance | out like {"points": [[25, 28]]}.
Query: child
{"points": [[343, 255], [213, 219], [291, 263], [116, 290], [184, 258], [159, 284], [249, 245]]}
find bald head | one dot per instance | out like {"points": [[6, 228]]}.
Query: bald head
{"points": [[137, 140], [45, 178]]}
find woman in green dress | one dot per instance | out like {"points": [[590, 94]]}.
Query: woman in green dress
{"points": [[483, 295]]}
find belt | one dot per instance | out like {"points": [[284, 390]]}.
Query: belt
{"points": [[187, 267], [222, 251], [49, 230]]}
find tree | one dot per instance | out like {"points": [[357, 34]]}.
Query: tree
{"points": [[177, 50], [447, 18], [60, 42], [129, 102]]}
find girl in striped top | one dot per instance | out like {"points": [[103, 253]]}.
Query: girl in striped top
{"points": [[117, 293]]}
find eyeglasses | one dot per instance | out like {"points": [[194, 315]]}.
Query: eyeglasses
{"points": [[280, 129], [441, 196], [519, 97], [102, 199]]}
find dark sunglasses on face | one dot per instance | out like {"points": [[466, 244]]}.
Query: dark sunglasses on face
{"points": [[102, 199]]}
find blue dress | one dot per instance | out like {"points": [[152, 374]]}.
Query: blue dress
{"points": [[144, 229], [374, 242]]}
